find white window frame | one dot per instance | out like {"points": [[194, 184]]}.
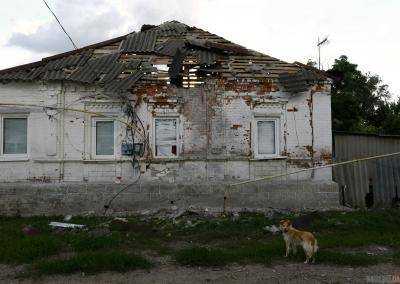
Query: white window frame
{"points": [[276, 121], [13, 156], [176, 118], [94, 121]]}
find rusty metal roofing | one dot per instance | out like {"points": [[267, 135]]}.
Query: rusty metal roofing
{"points": [[121, 63]]}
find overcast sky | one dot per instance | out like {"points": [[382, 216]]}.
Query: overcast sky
{"points": [[367, 31]]}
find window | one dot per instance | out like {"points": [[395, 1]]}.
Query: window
{"points": [[14, 135], [104, 137], [166, 137], [266, 138]]}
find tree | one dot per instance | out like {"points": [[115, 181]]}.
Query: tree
{"points": [[360, 102]]}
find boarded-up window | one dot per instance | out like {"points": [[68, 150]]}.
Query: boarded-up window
{"points": [[14, 135], [166, 137], [104, 138], [266, 140]]}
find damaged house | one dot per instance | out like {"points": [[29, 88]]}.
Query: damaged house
{"points": [[170, 114]]}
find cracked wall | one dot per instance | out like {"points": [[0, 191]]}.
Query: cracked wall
{"points": [[216, 135]]}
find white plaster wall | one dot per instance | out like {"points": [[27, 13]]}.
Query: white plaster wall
{"points": [[225, 133]]}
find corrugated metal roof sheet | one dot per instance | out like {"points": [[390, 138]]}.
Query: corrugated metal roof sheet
{"points": [[170, 41], [118, 86], [297, 82], [172, 28], [170, 47], [69, 61], [140, 42], [94, 68], [53, 75]]}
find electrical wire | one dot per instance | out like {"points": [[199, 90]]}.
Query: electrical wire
{"points": [[132, 120], [76, 110], [315, 168], [108, 205], [58, 21]]}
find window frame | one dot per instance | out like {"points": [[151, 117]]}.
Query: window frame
{"points": [[14, 156], [94, 121], [177, 141], [276, 122]]}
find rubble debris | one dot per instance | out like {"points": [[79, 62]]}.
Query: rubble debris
{"points": [[66, 225], [67, 218], [273, 229], [120, 219]]}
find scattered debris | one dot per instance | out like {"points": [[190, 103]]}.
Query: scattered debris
{"points": [[119, 219], [66, 225], [273, 229], [67, 218]]}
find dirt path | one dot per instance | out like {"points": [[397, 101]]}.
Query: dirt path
{"points": [[281, 273]]}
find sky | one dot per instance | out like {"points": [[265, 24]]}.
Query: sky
{"points": [[364, 30]]}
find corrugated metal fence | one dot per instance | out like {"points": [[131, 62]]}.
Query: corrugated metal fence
{"points": [[374, 183]]}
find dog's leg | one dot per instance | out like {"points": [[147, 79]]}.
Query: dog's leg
{"points": [[287, 243], [308, 251]]}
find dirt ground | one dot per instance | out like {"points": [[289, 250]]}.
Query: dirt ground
{"points": [[168, 273]]}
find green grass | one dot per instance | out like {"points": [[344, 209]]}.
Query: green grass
{"points": [[196, 241], [84, 242], [92, 262], [27, 249], [265, 254], [246, 252], [349, 259]]}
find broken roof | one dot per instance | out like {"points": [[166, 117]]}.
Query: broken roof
{"points": [[121, 63]]}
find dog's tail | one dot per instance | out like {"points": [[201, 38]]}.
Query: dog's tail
{"points": [[315, 246]]}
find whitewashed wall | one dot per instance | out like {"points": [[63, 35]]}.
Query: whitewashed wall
{"points": [[216, 135]]}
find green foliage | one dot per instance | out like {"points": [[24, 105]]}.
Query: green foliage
{"points": [[360, 101], [92, 262]]}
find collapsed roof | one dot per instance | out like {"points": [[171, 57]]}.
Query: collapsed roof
{"points": [[170, 53]]}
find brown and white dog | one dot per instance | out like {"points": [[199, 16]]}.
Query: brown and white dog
{"points": [[293, 238]]}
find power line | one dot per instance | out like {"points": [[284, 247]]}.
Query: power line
{"points": [[58, 21]]}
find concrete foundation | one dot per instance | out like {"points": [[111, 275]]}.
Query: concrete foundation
{"points": [[77, 199]]}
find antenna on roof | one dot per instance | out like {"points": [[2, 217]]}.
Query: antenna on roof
{"points": [[324, 41], [58, 21]]}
